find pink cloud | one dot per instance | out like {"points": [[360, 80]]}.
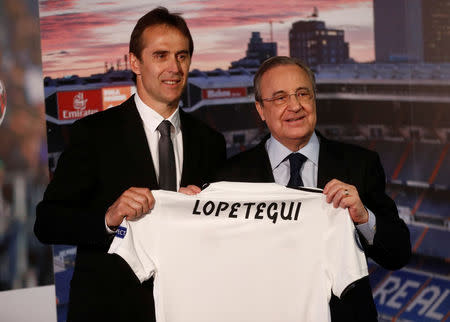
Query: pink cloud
{"points": [[85, 59], [73, 39], [50, 5], [71, 29], [214, 13]]}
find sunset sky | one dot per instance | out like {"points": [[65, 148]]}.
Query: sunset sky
{"points": [[79, 36]]}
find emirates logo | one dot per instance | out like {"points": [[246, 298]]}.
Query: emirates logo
{"points": [[79, 103]]}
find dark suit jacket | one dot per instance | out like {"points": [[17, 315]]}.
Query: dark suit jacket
{"points": [[353, 165], [108, 153]]}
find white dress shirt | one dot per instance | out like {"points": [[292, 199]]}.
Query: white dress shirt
{"points": [[151, 119], [281, 172]]}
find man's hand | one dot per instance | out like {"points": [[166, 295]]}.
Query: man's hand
{"points": [[190, 190], [132, 204], [346, 196]]}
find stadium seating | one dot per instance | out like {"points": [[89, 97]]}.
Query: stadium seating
{"points": [[436, 203], [420, 163], [443, 175], [390, 154], [415, 233], [435, 243]]}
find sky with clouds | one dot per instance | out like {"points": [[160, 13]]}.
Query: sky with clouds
{"points": [[79, 36]]}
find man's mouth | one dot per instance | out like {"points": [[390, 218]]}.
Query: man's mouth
{"points": [[294, 119], [171, 82]]}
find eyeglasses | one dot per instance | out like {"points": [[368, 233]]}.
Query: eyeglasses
{"points": [[302, 95]]}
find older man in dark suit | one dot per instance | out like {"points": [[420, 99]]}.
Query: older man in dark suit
{"points": [[295, 154], [114, 159]]}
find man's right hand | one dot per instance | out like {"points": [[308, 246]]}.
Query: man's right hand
{"points": [[132, 204]]}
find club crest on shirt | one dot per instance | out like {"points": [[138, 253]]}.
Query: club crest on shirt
{"points": [[121, 232]]}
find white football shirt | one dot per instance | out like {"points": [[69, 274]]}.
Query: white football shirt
{"points": [[243, 252]]}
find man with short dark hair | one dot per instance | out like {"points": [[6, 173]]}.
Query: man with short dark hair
{"points": [[295, 154], [114, 159]]}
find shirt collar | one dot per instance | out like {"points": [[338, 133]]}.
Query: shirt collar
{"points": [[152, 119], [278, 152]]}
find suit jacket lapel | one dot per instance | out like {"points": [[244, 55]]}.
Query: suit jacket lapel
{"points": [[138, 150], [190, 151], [325, 166], [332, 164], [263, 157]]}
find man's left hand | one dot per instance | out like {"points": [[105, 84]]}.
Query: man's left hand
{"points": [[190, 190], [346, 196]]}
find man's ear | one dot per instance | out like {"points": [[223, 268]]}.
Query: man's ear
{"points": [[260, 109], [135, 64]]}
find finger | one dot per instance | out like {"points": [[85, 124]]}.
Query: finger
{"points": [[350, 198], [194, 188], [190, 190], [342, 196], [347, 202], [150, 198], [112, 218], [148, 195], [331, 184], [133, 208], [186, 191], [146, 199], [333, 192], [141, 195], [358, 213], [131, 204], [117, 212], [337, 198]]}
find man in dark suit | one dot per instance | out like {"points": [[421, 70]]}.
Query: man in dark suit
{"points": [[114, 159], [352, 177]]}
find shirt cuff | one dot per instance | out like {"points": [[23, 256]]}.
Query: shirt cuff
{"points": [[109, 230], [368, 229]]}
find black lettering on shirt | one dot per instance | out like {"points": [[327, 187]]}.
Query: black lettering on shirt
{"points": [[249, 205], [221, 207], [273, 215], [195, 211], [260, 209], [208, 208], [234, 208], [297, 210]]}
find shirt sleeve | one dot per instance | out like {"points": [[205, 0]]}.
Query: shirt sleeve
{"points": [[126, 244], [368, 229], [109, 230], [345, 258]]}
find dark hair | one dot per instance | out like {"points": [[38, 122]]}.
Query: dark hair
{"points": [[277, 61], [158, 16]]}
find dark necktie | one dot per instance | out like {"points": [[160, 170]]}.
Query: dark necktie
{"points": [[167, 172], [296, 161]]}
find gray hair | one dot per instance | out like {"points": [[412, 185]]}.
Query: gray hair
{"points": [[277, 61]]}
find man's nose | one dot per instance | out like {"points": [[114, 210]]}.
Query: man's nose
{"points": [[294, 103], [174, 65]]}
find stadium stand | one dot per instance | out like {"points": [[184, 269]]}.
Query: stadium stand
{"points": [[405, 196], [435, 243], [415, 233], [436, 203], [420, 162], [390, 154], [443, 174], [429, 264]]}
